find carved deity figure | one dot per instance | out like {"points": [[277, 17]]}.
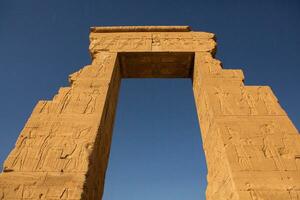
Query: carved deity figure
{"points": [[269, 149], [248, 99], [223, 98], [238, 143], [268, 100]]}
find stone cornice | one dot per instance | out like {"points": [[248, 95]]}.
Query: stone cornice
{"points": [[110, 29]]}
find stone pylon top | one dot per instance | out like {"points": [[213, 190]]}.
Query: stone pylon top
{"points": [[109, 29], [150, 39]]}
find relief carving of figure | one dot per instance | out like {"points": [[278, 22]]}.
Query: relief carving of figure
{"points": [[68, 146], [18, 158], [81, 132], [156, 41], [249, 101], [45, 107], [102, 63], [138, 43], [46, 144], [268, 100], [269, 149], [223, 98], [91, 104], [106, 42], [122, 43], [19, 155], [243, 157], [253, 192], [65, 101], [186, 44], [74, 153], [78, 159]]}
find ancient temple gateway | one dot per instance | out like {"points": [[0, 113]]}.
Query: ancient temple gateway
{"points": [[251, 146]]}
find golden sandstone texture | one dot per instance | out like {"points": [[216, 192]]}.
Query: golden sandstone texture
{"points": [[251, 146]]}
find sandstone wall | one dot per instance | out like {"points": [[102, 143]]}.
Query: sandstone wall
{"points": [[62, 152], [251, 146]]}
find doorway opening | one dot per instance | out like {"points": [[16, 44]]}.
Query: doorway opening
{"points": [[156, 151]]}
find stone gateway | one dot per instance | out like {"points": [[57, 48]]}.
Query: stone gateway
{"points": [[251, 146]]}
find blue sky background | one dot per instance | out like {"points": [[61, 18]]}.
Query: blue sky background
{"points": [[156, 151]]}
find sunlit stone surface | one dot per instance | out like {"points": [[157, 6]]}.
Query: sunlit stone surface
{"points": [[251, 146]]}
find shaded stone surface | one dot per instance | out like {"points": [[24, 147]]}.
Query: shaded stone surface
{"points": [[156, 64], [252, 148]]}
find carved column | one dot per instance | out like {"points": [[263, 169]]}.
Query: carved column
{"points": [[252, 148], [62, 152]]}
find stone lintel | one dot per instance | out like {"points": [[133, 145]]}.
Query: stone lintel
{"points": [[110, 29]]}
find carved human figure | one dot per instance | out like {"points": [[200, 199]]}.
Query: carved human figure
{"points": [[19, 158], [269, 149], [254, 194], [238, 143], [249, 101], [91, 104], [101, 63], [46, 144], [223, 98], [46, 107], [268, 100], [80, 154], [65, 101]]}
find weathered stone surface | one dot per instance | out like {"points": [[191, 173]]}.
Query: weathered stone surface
{"points": [[251, 146], [155, 42]]}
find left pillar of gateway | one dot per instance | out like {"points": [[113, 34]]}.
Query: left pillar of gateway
{"points": [[62, 152]]}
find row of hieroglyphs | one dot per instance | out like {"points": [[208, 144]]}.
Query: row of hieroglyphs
{"points": [[152, 42]]}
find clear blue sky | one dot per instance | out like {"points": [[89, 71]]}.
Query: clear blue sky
{"points": [[156, 151]]}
